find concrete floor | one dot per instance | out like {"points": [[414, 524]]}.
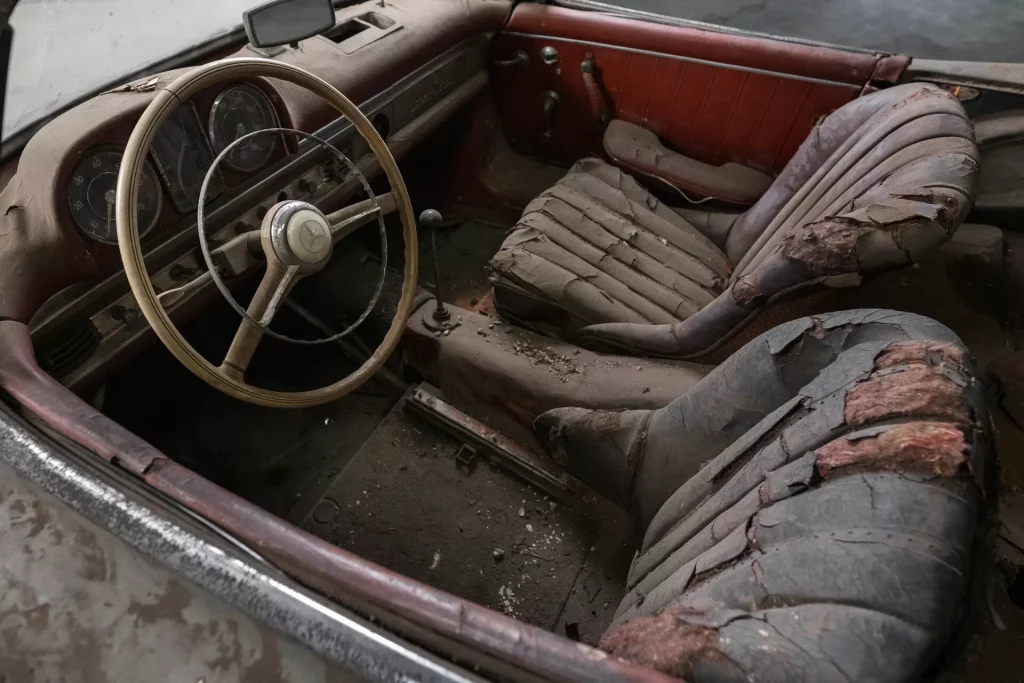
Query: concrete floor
{"points": [[980, 30]]}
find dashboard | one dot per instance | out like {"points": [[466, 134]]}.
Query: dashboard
{"points": [[181, 156], [59, 203]]}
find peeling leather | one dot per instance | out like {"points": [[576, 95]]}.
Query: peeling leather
{"points": [[776, 503]]}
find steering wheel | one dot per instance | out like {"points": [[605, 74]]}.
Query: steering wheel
{"points": [[296, 239]]}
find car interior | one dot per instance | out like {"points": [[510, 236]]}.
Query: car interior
{"points": [[604, 346]]}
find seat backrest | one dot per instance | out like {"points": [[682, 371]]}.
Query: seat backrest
{"points": [[879, 183], [861, 162]]}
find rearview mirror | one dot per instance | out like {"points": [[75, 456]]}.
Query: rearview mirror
{"points": [[282, 22]]}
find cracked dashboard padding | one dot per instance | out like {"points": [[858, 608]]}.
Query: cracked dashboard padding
{"points": [[815, 507], [878, 184]]}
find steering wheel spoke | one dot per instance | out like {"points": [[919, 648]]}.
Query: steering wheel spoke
{"points": [[345, 221], [276, 283]]}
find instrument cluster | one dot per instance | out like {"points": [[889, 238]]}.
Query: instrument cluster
{"points": [[180, 157]]}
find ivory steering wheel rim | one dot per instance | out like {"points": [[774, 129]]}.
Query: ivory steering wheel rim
{"points": [[130, 245]]}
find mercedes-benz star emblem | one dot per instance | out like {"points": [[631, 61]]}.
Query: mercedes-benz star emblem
{"points": [[312, 236]]}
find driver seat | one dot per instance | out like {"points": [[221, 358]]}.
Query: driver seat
{"points": [[599, 261]]}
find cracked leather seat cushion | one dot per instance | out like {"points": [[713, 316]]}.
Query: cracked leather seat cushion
{"points": [[602, 248], [813, 509], [599, 260]]}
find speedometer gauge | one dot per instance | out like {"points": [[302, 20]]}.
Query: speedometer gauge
{"points": [[183, 157], [239, 110], [92, 196]]}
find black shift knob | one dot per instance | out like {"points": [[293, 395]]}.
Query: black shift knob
{"points": [[430, 219]]}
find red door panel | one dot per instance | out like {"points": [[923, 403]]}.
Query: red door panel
{"points": [[714, 96]]}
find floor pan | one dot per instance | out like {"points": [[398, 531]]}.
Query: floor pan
{"points": [[483, 535]]}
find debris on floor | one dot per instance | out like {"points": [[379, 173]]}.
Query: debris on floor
{"points": [[507, 600], [486, 536], [563, 366]]}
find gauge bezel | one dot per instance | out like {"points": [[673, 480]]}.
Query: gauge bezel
{"points": [[147, 168], [181, 205], [215, 139]]}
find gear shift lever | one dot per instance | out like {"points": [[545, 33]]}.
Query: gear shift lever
{"points": [[430, 220]]}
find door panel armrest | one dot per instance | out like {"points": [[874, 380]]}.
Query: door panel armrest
{"points": [[639, 150]]}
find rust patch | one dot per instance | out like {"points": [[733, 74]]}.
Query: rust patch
{"points": [[929, 447], [828, 247], [919, 353], [920, 390], [664, 643]]}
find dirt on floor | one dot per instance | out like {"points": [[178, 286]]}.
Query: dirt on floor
{"points": [[476, 531]]}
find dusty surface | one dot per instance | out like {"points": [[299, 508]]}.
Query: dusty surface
{"points": [[282, 460], [485, 535], [78, 604], [506, 376], [461, 251]]}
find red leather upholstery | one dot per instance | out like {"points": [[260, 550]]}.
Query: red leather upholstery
{"points": [[727, 110]]}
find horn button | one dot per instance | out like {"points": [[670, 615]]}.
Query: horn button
{"points": [[300, 234]]}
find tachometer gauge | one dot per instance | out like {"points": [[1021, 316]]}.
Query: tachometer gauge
{"points": [[92, 196], [183, 157], [239, 110]]}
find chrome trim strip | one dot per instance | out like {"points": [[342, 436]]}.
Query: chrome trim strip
{"points": [[691, 60]]}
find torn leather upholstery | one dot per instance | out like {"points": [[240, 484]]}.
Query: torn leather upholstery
{"points": [[601, 261], [812, 508]]}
